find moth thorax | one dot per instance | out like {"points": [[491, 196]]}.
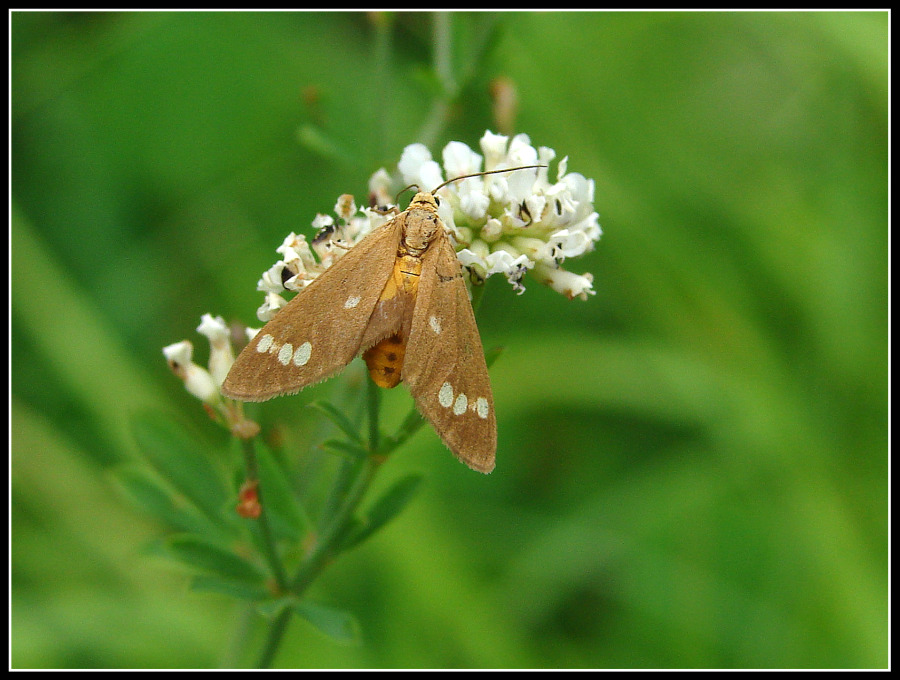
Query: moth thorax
{"points": [[422, 226]]}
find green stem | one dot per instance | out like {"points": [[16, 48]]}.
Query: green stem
{"points": [[333, 530], [373, 399], [442, 35], [268, 539], [381, 58], [273, 641], [443, 66], [320, 556]]}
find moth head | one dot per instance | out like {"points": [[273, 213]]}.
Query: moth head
{"points": [[426, 200]]}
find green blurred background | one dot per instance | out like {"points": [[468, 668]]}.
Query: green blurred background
{"points": [[692, 468]]}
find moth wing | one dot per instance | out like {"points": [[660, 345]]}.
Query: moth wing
{"points": [[319, 331], [444, 368]]}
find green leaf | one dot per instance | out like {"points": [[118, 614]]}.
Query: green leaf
{"points": [[491, 355], [180, 461], [345, 449], [338, 418], [319, 142], [280, 501], [273, 606], [388, 506], [240, 590], [410, 425], [156, 500], [335, 623], [208, 557]]}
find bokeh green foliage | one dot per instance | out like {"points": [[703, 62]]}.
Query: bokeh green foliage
{"points": [[692, 469]]}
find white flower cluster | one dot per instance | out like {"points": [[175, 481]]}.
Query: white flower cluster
{"points": [[206, 384], [502, 223], [511, 223], [297, 267]]}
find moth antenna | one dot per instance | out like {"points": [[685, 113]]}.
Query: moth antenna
{"points": [[397, 197], [486, 172]]}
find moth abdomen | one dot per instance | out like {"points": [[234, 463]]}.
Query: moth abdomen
{"points": [[385, 361]]}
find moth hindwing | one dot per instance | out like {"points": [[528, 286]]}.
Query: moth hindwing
{"points": [[399, 297]]}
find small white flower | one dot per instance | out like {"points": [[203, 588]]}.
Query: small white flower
{"points": [[221, 355], [460, 160], [272, 304], [416, 167], [345, 207], [271, 281], [569, 284], [521, 152], [380, 188], [492, 230], [206, 385], [197, 379], [494, 149]]}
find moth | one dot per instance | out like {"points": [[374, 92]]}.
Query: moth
{"points": [[398, 297]]}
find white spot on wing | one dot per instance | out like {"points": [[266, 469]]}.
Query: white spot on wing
{"points": [[435, 324], [264, 343], [285, 353], [482, 407], [301, 356], [460, 405], [351, 302], [445, 395]]}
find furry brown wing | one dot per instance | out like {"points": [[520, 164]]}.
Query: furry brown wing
{"points": [[318, 332], [444, 367]]}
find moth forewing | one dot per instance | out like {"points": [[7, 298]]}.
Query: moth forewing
{"points": [[319, 331], [445, 369]]}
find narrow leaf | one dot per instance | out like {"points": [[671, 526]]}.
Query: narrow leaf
{"points": [[491, 355], [388, 506], [281, 504], [209, 557], [156, 500], [338, 418], [273, 606], [335, 623], [345, 448], [410, 425], [180, 461], [240, 590]]}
